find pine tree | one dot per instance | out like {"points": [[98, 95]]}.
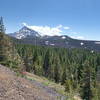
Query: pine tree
{"points": [[2, 51], [2, 28], [63, 76], [8, 53], [46, 64], [57, 70], [86, 83]]}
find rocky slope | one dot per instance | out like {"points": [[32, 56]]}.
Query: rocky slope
{"points": [[17, 88]]}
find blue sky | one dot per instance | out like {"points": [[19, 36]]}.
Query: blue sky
{"points": [[81, 16]]}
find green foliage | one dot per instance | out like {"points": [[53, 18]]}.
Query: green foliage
{"points": [[75, 68], [8, 53], [86, 84], [68, 85]]}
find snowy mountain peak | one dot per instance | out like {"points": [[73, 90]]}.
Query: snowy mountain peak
{"points": [[24, 32]]}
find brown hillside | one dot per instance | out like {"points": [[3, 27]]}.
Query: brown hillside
{"points": [[16, 88]]}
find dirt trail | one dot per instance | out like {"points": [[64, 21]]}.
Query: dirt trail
{"points": [[49, 90], [17, 88]]}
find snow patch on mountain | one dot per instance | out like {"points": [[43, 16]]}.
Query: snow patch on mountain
{"points": [[81, 43], [20, 36], [46, 42], [97, 42], [52, 44], [24, 32], [63, 37]]}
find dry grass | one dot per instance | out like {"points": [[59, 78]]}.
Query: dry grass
{"points": [[58, 87]]}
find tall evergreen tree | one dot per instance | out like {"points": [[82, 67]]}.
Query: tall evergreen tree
{"points": [[86, 87], [46, 64], [8, 53], [2, 51], [2, 28]]}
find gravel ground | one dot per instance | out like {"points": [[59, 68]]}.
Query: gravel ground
{"points": [[17, 88], [49, 90]]}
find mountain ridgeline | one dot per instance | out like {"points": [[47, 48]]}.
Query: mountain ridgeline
{"points": [[30, 36]]}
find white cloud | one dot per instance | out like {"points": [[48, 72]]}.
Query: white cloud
{"points": [[46, 30], [77, 37], [59, 26], [66, 28], [52, 31], [74, 32], [80, 37]]}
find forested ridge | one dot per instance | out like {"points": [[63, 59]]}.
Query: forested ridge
{"points": [[76, 69]]}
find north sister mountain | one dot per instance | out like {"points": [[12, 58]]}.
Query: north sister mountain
{"points": [[30, 36]]}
